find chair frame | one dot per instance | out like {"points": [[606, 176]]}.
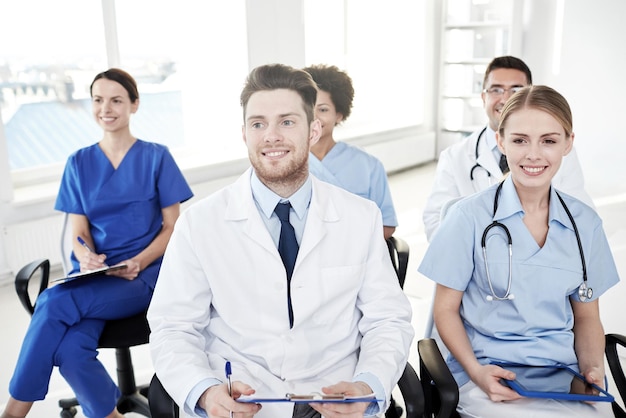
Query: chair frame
{"points": [[617, 372], [119, 334], [441, 392]]}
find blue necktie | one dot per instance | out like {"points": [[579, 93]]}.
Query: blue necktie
{"points": [[287, 248]]}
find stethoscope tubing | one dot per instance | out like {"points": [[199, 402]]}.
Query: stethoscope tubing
{"points": [[477, 165], [584, 292]]}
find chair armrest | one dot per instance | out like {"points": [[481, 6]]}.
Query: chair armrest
{"points": [[23, 278], [437, 381], [617, 372], [412, 393], [161, 403]]}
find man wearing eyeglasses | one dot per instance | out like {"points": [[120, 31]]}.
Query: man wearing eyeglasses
{"points": [[475, 163]]}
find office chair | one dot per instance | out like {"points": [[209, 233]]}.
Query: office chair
{"points": [[119, 334], [441, 393], [163, 406], [399, 253], [617, 371]]}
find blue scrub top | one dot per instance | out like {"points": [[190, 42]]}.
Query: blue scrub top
{"points": [[536, 326], [123, 205], [358, 172]]}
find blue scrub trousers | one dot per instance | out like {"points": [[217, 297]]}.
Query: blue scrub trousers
{"points": [[64, 332]]}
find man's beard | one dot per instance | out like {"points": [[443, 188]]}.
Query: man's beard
{"points": [[295, 173]]}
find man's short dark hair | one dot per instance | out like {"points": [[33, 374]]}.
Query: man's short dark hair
{"points": [[508, 61], [280, 76]]}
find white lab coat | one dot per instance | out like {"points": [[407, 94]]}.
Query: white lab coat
{"points": [[452, 178], [221, 294]]}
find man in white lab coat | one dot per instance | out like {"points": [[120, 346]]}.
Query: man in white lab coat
{"points": [[339, 323], [473, 164]]}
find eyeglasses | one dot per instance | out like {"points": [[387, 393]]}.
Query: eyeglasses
{"points": [[499, 91]]}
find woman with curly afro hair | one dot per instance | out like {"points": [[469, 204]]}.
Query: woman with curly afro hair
{"points": [[339, 163]]}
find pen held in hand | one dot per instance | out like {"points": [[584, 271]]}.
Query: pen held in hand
{"points": [[228, 372], [82, 242]]}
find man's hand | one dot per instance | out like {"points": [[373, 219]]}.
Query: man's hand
{"points": [[217, 403], [348, 409]]}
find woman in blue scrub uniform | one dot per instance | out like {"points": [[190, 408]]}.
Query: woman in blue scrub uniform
{"points": [[123, 197], [532, 307], [339, 163]]}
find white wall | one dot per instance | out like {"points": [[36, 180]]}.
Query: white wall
{"points": [[592, 62]]}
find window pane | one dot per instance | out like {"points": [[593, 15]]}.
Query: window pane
{"points": [[190, 63], [386, 63], [47, 60]]}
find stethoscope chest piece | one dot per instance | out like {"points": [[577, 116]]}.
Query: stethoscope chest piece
{"points": [[584, 292]]}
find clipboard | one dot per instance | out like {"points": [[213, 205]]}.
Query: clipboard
{"points": [[314, 397], [553, 382], [88, 273]]}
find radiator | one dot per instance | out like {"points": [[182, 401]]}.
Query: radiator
{"points": [[28, 241]]}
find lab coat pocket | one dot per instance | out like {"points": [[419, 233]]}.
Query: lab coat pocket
{"points": [[336, 294]]}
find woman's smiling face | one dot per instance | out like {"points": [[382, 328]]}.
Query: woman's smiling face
{"points": [[534, 143]]}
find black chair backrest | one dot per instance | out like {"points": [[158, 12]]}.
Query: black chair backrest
{"points": [[399, 253], [617, 372], [119, 334], [161, 403], [22, 281]]}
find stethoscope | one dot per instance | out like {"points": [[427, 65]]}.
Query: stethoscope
{"points": [[477, 165], [584, 292]]}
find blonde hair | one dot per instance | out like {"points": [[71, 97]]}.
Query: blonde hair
{"points": [[542, 98]]}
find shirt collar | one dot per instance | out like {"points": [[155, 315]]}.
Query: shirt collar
{"points": [[490, 138], [267, 199], [509, 204]]}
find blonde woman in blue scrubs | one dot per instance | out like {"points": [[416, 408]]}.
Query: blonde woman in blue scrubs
{"points": [[537, 317], [123, 197]]}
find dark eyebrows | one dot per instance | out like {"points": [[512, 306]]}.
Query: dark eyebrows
{"points": [[504, 85], [551, 134], [281, 116], [250, 117], [95, 96], [542, 135], [289, 115]]}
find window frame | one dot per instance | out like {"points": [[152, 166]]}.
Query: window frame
{"points": [[40, 183]]}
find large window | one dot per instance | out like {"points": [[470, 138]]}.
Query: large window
{"points": [[195, 63], [182, 60], [381, 46], [46, 58], [190, 60]]}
